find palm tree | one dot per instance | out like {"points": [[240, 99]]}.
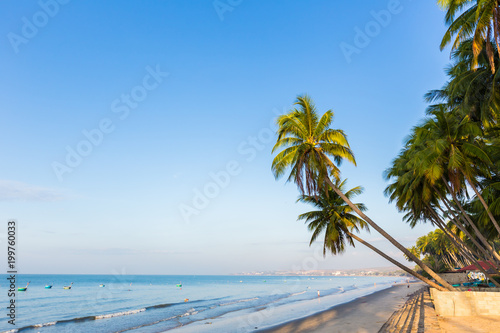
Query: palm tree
{"points": [[308, 144], [417, 187], [337, 222], [437, 245], [470, 91], [437, 248], [454, 155], [478, 20], [334, 218]]}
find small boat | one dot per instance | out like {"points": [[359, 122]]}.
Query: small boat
{"points": [[101, 285], [68, 287], [23, 288], [49, 286]]}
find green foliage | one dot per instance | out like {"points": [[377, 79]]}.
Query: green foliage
{"points": [[334, 218], [475, 20], [309, 147], [456, 149], [439, 252]]}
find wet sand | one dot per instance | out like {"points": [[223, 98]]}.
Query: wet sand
{"points": [[363, 315]]}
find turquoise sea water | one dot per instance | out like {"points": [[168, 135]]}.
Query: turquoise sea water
{"points": [[153, 303]]}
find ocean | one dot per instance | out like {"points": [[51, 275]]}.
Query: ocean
{"points": [[154, 303]]}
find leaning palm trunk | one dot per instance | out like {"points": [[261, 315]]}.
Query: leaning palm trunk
{"points": [[390, 239], [496, 13], [487, 257], [457, 223], [403, 267], [480, 197], [486, 247], [472, 224], [466, 252]]}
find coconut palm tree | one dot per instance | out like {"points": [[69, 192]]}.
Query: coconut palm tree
{"points": [[437, 248], [417, 186], [336, 221], [308, 147], [455, 155], [333, 219], [478, 19], [470, 91], [415, 196]]}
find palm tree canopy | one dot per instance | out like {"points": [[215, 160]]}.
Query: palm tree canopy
{"points": [[333, 218], [308, 145], [474, 19]]}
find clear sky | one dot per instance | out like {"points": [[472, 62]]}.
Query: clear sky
{"points": [[116, 115]]}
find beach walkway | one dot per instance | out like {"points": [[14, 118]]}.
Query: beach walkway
{"points": [[416, 316], [476, 324]]}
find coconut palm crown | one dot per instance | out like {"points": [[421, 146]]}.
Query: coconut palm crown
{"points": [[310, 147], [334, 218]]}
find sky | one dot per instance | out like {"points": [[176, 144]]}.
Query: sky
{"points": [[137, 136]]}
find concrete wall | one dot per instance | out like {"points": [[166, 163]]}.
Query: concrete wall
{"points": [[466, 303], [455, 278]]}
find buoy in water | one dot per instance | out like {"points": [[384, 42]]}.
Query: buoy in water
{"points": [[186, 299]]}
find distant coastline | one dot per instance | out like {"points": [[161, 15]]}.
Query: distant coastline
{"points": [[379, 271]]}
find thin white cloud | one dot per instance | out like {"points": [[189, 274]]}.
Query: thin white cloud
{"points": [[128, 252], [17, 191]]}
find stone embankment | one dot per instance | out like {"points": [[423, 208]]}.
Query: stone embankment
{"points": [[417, 315]]}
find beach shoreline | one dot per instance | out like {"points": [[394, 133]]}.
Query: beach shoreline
{"points": [[364, 314]]}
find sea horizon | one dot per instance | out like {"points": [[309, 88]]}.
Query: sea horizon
{"points": [[388, 269]]}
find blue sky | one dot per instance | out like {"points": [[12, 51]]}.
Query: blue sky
{"points": [[171, 93]]}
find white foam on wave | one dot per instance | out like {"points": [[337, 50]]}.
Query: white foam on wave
{"points": [[240, 301], [118, 314], [52, 323], [190, 312]]}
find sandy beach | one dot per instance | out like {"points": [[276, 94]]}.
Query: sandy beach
{"points": [[364, 315]]}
